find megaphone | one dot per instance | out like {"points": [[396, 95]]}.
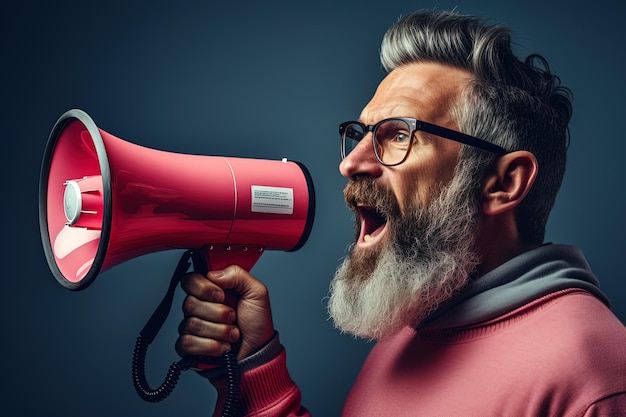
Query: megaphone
{"points": [[103, 200]]}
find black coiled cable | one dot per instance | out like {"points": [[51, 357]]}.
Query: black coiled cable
{"points": [[139, 376], [232, 403]]}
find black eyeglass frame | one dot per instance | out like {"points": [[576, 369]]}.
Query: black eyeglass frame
{"points": [[415, 125]]}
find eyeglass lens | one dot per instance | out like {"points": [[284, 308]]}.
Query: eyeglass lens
{"points": [[392, 140]]}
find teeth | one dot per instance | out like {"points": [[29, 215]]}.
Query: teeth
{"points": [[367, 238]]}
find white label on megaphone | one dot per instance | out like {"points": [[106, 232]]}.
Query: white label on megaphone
{"points": [[276, 200]]}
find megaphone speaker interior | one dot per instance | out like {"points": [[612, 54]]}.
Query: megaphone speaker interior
{"points": [[103, 200]]}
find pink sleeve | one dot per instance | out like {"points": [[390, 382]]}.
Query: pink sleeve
{"points": [[615, 405], [265, 391]]}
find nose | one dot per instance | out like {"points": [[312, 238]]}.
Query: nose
{"points": [[361, 161]]}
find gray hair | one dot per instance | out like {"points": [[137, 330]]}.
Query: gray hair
{"points": [[515, 104]]}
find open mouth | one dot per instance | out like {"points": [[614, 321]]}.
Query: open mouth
{"points": [[373, 223]]}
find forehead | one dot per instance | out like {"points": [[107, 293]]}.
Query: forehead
{"points": [[421, 90]]}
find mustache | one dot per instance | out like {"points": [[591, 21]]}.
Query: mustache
{"points": [[365, 191]]}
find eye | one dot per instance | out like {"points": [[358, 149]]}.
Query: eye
{"points": [[401, 138]]}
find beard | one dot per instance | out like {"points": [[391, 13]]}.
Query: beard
{"points": [[429, 256]]}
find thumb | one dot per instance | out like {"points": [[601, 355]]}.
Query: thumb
{"points": [[238, 280]]}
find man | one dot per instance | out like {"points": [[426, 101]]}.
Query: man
{"points": [[474, 315]]}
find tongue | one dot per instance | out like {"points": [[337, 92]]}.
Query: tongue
{"points": [[369, 236]]}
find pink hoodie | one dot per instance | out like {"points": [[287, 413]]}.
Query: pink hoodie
{"points": [[561, 354]]}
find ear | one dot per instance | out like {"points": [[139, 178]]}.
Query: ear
{"points": [[508, 182]]}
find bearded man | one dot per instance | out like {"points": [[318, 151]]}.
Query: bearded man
{"points": [[453, 168]]}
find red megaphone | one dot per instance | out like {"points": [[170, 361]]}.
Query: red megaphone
{"points": [[103, 200]]}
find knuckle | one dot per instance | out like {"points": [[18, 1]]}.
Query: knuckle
{"points": [[190, 304], [188, 345], [238, 273], [185, 344], [237, 270], [262, 289], [194, 325], [195, 284], [189, 281]]}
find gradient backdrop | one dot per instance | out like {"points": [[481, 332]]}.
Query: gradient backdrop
{"points": [[250, 79]]}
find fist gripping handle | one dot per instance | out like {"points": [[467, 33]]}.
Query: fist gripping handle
{"points": [[227, 362]]}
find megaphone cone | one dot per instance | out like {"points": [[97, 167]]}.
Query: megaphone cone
{"points": [[103, 200]]}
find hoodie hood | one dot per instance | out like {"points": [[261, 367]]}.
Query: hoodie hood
{"points": [[527, 277]]}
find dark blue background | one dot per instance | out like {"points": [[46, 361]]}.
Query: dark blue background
{"points": [[252, 79]]}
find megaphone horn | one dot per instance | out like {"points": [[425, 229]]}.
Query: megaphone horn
{"points": [[103, 200]]}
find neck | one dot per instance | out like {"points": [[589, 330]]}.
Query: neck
{"points": [[499, 241]]}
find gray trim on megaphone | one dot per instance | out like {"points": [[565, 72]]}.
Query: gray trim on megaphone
{"points": [[311, 209], [103, 161]]}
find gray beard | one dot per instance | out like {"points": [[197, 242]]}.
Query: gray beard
{"points": [[430, 256]]}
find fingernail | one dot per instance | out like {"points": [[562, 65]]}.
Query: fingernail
{"points": [[234, 335], [216, 296]]}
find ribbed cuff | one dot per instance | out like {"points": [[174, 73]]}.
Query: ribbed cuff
{"points": [[265, 380], [268, 352], [266, 386]]}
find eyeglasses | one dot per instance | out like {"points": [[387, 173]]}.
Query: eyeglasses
{"points": [[392, 138]]}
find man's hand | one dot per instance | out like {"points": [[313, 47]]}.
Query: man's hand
{"points": [[223, 308]]}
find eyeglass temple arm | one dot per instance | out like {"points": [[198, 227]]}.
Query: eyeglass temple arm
{"points": [[460, 137]]}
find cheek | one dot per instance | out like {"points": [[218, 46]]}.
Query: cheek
{"points": [[413, 189], [420, 183]]}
